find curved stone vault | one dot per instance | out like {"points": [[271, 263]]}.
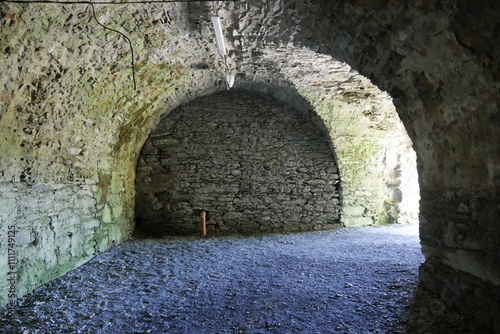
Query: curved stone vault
{"points": [[253, 164], [72, 125]]}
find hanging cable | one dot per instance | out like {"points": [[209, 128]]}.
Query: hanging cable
{"points": [[128, 40], [112, 2]]}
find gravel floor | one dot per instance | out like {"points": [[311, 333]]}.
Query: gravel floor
{"points": [[361, 280]]}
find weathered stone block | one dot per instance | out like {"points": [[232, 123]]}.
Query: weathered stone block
{"points": [[357, 221], [353, 211]]}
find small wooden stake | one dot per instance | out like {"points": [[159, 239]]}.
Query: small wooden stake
{"points": [[203, 222]]}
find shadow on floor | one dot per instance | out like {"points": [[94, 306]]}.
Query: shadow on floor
{"points": [[350, 281], [429, 315]]}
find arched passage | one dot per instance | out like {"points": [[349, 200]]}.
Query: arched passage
{"points": [[72, 126], [253, 163]]}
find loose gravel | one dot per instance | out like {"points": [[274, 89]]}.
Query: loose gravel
{"points": [[358, 280]]}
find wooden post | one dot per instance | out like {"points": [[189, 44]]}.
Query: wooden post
{"points": [[203, 222]]}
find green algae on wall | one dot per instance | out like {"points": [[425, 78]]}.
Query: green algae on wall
{"points": [[61, 138], [359, 150], [74, 78], [370, 144]]}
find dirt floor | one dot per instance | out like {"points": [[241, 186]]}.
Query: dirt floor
{"points": [[360, 280]]}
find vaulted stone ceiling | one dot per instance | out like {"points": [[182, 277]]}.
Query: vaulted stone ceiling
{"points": [[81, 80], [72, 124]]}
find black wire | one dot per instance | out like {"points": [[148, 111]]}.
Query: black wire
{"points": [[128, 39], [85, 2], [92, 3]]}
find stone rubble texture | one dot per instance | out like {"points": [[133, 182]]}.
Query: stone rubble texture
{"points": [[251, 163], [72, 125]]}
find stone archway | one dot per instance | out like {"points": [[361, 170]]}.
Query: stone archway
{"points": [[438, 60], [253, 163]]}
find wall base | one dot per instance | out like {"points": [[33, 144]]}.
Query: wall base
{"points": [[476, 298]]}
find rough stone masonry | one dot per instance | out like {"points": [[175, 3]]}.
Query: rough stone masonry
{"points": [[253, 163], [72, 126]]}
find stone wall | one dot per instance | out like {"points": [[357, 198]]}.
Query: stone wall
{"points": [[254, 164], [438, 60], [57, 227], [69, 139], [68, 110], [71, 118], [373, 150], [463, 251]]}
